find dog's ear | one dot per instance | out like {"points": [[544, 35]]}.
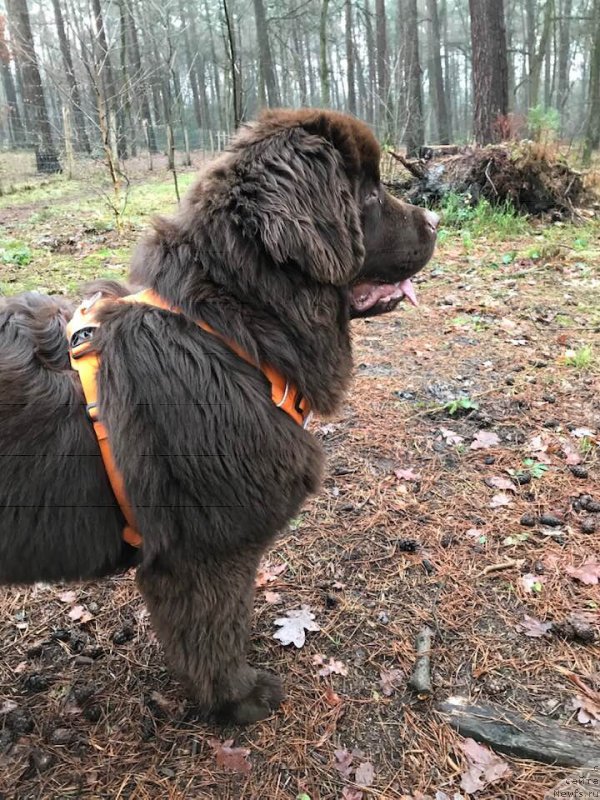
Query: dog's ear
{"points": [[292, 193]]}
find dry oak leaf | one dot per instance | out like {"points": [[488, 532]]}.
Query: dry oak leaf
{"points": [[267, 573], [80, 614], [588, 711], [588, 573], [484, 440], [67, 597], [497, 482], [234, 759], [483, 767], [500, 500], [534, 628], [349, 793], [329, 668], [407, 475], [390, 680], [273, 598], [294, 625], [450, 436], [365, 774], [343, 762]]}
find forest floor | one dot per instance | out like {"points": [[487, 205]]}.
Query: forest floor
{"points": [[469, 441]]}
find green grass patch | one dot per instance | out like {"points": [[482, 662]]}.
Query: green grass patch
{"points": [[481, 218], [582, 358]]}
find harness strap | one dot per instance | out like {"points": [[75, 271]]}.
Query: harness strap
{"points": [[85, 361]]}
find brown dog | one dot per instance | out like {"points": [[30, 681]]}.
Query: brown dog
{"points": [[285, 237]]}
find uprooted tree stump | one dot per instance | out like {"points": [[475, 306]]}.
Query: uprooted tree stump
{"points": [[526, 175]]}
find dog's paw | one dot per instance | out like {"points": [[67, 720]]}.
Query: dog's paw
{"points": [[264, 698]]}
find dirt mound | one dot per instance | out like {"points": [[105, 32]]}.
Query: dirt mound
{"points": [[528, 176]]}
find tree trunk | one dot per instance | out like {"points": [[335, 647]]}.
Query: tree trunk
{"points": [[490, 68], [539, 54], [268, 92], [564, 52], [371, 63], [15, 123], [350, 59], [108, 79], [190, 64], [82, 143], [437, 77], [592, 134], [324, 66], [233, 66], [415, 132], [383, 108], [300, 67], [33, 95], [140, 79]]}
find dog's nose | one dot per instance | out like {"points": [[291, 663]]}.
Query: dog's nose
{"points": [[432, 220]]}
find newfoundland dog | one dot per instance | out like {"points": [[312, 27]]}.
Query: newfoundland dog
{"points": [[284, 238]]}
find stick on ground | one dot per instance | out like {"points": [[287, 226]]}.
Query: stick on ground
{"points": [[536, 738], [420, 680]]}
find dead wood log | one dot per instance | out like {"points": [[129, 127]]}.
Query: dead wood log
{"points": [[535, 738], [420, 680]]}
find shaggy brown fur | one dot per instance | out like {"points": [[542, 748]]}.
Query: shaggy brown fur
{"points": [[268, 248]]}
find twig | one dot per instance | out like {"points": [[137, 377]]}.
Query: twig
{"points": [[420, 680], [487, 175], [514, 562]]}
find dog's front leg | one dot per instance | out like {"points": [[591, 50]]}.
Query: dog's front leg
{"points": [[201, 613]]}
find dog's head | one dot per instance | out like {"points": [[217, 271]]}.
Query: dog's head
{"points": [[312, 192]]}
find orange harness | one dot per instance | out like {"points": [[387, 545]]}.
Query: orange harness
{"points": [[85, 361]]}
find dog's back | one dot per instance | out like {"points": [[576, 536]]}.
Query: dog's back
{"points": [[57, 513]]}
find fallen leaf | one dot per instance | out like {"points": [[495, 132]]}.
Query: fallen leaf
{"points": [[580, 433], [499, 500], [534, 628], [498, 482], [349, 793], [390, 680], [365, 774], [532, 583], [451, 437], [483, 767], [67, 597], [234, 759], [267, 573], [343, 762], [588, 573], [332, 698], [294, 625], [407, 475], [7, 706], [588, 711], [572, 456], [273, 598], [80, 614], [484, 440], [330, 668]]}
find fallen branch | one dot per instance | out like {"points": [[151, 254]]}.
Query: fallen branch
{"points": [[536, 738], [420, 680], [414, 167]]}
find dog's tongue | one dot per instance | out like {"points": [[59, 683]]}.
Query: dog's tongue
{"points": [[366, 295]]}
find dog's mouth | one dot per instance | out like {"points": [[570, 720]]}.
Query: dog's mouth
{"points": [[379, 298]]}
